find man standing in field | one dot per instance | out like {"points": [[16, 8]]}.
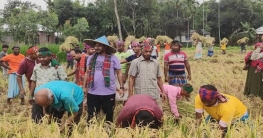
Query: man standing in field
{"points": [[26, 68], [222, 108], [175, 63], [43, 72], [13, 61], [100, 78], [2, 54], [146, 76]]}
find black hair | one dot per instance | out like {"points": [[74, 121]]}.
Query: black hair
{"points": [[175, 42], [144, 118], [5, 46], [77, 51], [43, 49], [209, 87], [15, 47]]}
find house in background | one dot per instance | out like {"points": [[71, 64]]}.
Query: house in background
{"points": [[42, 36], [259, 33]]}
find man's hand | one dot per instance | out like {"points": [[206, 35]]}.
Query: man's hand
{"points": [[166, 79], [22, 93], [163, 97], [121, 93], [31, 100], [189, 77]]}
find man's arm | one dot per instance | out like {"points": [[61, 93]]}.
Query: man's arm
{"points": [[120, 79], [73, 72], [187, 65], [123, 61], [21, 88], [166, 71], [2, 63], [131, 85], [61, 73], [198, 118]]}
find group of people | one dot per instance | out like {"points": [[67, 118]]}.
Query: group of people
{"points": [[97, 72]]}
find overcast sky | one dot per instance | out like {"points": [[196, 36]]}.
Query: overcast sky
{"points": [[43, 4]]}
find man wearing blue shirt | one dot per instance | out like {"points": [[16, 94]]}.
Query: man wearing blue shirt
{"points": [[62, 96]]}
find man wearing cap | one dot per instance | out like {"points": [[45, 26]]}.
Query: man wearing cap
{"points": [[13, 61], [42, 73], [175, 93], [222, 108], [175, 63], [101, 89], [146, 75], [136, 47], [2, 54], [140, 110]]}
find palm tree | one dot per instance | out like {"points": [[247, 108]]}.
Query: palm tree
{"points": [[118, 19]]}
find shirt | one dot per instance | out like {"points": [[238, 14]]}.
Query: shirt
{"points": [[154, 51], [132, 57], [69, 57], [135, 103], [123, 55], [67, 97], [26, 67], [173, 94], [146, 74], [2, 54], [225, 112], [99, 87], [176, 62], [13, 61], [43, 75], [167, 46]]}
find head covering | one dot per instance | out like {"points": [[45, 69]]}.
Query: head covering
{"points": [[135, 44], [146, 45], [206, 94], [44, 52], [102, 40], [32, 50], [188, 88], [119, 43], [86, 46], [257, 45]]}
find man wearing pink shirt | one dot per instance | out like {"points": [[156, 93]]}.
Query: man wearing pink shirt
{"points": [[175, 93]]}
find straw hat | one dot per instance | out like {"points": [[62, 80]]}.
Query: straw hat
{"points": [[102, 40]]}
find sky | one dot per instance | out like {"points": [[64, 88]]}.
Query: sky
{"points": [[43, 4]]}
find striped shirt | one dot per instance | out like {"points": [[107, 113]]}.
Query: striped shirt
{"points": [[176, 62]]}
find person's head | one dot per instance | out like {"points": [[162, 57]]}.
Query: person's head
{"points": [[32, 52], [120, 46], [208, 94], [16, 50], [136, 47], [77, 46], [76, 54], [147, 51], [175, 46], [44, 97], [5, 48], [91, 51], [145, 118], [44, 56], [100, 48], [187, 89]]}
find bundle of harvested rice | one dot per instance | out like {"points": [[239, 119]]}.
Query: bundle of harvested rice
{"points": [[66, 47], [128, 40], [112, 38], [224, 41], [142, 38], [71, 39], [243, 40], [195, 36]]}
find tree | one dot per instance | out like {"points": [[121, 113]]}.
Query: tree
{"points": [[81, 28], [118, 19]]}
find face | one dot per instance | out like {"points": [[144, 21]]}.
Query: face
{"points": [[33, 56], [120, 48], [16, 51], [100, 48], [75, 56], [209, 103], [175, 47], [136, 49], [44, 60], [5, 49], [91, 50], [147, 53]]}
